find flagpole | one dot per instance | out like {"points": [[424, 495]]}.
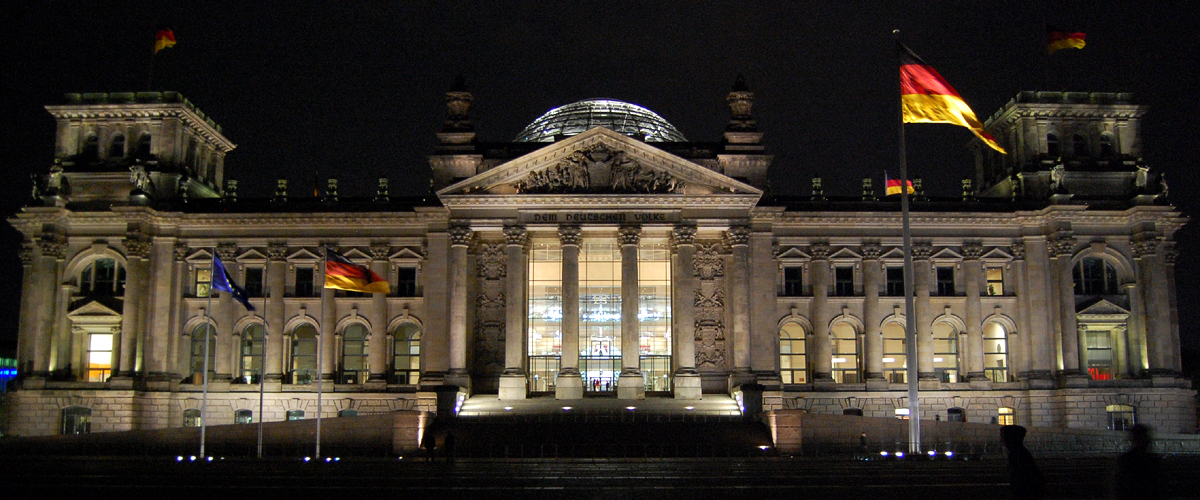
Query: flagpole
{"points": [[207, 341], [912, 373], [262, 373], [321, 340]]}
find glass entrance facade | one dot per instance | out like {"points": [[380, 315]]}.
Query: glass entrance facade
{"points": [[545, 314]]}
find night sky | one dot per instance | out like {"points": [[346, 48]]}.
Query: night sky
{"points": [[354, 90]]}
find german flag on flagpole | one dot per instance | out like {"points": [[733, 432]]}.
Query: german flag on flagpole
{"points": [[1057, 40], [892, 186], [342, 274], [926, 97], [165, 38]]}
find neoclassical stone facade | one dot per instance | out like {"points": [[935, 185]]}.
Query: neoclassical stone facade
{"points": [[601, 254]]}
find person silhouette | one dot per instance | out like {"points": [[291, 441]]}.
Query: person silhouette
{"points": [[448, 444], [429, 443], [1137, 469], [1024, 478]]}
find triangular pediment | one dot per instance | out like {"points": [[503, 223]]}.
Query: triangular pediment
{"points": [[200, 255], [92, 311], [946, 254], [794, 253], [893, 254], [846, 254], [1103, 307], [303, 255], [406, 254], [997, 254], [251, 255], [599, 162], [356, 254]]}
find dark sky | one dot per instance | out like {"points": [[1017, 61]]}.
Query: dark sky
{"points": [[353, 90]]}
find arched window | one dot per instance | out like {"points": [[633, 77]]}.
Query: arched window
{"points": [[895, 355], [243, 416], [1006, 416], [956, 415], [143, 150], [295, 415], [406, 360], [1052, 147], [102, 277], [354, 355], [117, 148], [251, 354], [1095, 276], [191, 418], [91, 148], [1121, 417], [995, 352], [847, 368], [347, 413], [1106, 145], [76, 420], [1080, 145], [304, 354], [793, 358], [196, 366], [945, 352]]}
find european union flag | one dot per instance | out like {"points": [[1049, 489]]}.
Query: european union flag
{"points": [[221, 281]]}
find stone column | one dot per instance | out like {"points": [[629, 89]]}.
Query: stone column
{"points": [[137, 250], [1135, 332], [1041, 332], [1062, 249], [513, 384], [30, 307], [1022, 358], [569, 382], [60, 348], [161, 288], [175, 332], [460, 238], [327, 332], [872, 334], [35, 341], [277, 268], [1168, 254], [630, 385], [1156, 303], [738, 238], [223, 316], [922, 281], [687, 380], [822, 345], [973, 269], [377, 347]]}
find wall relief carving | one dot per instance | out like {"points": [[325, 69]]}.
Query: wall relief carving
{"points": [[598, 169], [709, 302]]}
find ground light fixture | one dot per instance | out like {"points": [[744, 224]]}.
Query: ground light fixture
{"points": [[566, 408], [630, 408]]}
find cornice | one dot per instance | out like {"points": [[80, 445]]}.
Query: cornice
{"points": [[143, 110], [592, 201]]}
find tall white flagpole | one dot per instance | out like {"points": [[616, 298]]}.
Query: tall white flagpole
{"points": [[207, 339], [262, 373], [910, 337], [321, 340]]}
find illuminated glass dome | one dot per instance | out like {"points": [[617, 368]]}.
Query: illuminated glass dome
{"points": [[624, 118]]}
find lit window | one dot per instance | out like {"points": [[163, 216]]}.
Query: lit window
{"points": [[945, 281], [295, 415], [995, 281], [843, 281], [406, 281], [304, 354], [354, 355], [103, 277], [846, 348], [902, 413], [100, 346], [252, 354], [203, 282], [793, 360], [654, 314], [1099, 354], [995, 352], [895, 354], [191, 418], [1006, 416], [243, 416], [406, 361], [793, 281], [1121, 417], [196, 364], [545, 306], [76, 420], [945, 352]]}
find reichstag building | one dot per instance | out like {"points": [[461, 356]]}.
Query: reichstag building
{"points": [[601, 253]]}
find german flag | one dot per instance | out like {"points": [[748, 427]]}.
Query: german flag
{"points": [[342, 274], [892, 186], [163, 39], [1057, 40], [926, 97]]}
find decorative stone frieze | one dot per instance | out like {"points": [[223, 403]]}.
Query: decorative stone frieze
{"points": [[709, 264], [491, 261]]}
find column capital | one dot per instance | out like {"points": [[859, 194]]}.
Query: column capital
{"points": [[1145, 248], [683, 235], [277, 250], [227, 251], [1062, 246], [1169, 253], [1018, 250], [820, 250], [515, 235], [922, 250], [738, 236], [460, 236], [27, 253], [871, 250], [629, 235], [569, 235], [137, 247], [181, 251], [972, 250], [380, 250]]}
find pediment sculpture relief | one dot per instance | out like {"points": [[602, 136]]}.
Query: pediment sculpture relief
{"points": [[598, 169]]}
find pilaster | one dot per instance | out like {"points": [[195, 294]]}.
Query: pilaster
{"points": [[630, 384], [738, 238], [922, 282], [973, 270], [872, 335], [822, 343]]}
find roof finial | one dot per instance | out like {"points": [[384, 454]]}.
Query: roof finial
{"points": [[458, 102], [741, 99]]}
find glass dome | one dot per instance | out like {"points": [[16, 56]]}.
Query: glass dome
{"points": [[622, 117]]}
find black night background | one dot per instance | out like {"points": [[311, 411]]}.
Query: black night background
{"points": [[353, 90]]}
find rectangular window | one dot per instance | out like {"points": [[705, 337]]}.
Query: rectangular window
{"points": [[203, 282], [406, 281], [1006, 416], [793, 281], [254, 282], [100, 346], [1099, 355], [945, 281], [995, 280], [304, 282], [895, 281], [843, 281]]}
